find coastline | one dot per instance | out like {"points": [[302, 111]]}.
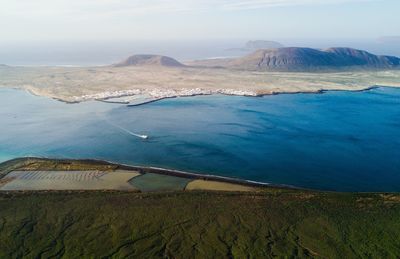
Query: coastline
{"points": [[157, 170], [151, 83], [109, 96], [192, 176]]}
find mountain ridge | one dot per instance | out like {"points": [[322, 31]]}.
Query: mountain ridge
{"points": [[297, 59]]}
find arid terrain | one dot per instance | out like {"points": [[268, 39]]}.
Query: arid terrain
{"points": [[76, 84]]}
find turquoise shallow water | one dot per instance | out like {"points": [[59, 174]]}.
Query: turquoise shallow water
{"points": [[344, 141]]}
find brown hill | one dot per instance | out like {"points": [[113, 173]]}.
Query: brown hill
{"points": [[306, 59], [149, 60]]}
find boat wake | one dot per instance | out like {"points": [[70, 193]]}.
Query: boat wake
{"points": [[128, 131]]}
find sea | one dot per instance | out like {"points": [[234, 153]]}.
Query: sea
{"points": [[335, 141]]}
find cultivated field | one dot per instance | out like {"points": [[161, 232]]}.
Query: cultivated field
{"points": [[46, 174], [157, 182], [68, 180]]}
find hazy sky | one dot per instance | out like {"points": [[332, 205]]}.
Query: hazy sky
{"points": [[53, 20]]}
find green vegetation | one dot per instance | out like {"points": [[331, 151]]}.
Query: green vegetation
{"points": [[273, 223], [270, 222], [217, 186]]}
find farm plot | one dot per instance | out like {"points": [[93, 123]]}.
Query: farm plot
{"points": [[68, 180], [150, 182]]}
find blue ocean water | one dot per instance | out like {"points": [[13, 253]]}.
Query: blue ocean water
{"points": [[342, 141]]}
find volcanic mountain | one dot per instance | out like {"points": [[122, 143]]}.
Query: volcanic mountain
{"points": [[149, 60], [306, 59]]}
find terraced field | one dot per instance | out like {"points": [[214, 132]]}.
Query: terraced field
{"points": [[75, 176], [68, 180]]}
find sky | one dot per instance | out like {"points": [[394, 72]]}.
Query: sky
{"points": [[86, 20], [97, 32]]}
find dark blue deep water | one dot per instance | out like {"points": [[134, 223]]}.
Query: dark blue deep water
{"points": [[344, 141]]}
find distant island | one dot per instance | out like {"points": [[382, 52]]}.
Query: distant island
{"points": [[253, 45], [263, 44], [142, 78]]}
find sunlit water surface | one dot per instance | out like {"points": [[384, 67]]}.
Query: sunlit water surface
{"points": [[345, 141]]}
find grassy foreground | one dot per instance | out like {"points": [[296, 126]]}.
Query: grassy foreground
{"points": [[271, 223]]}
